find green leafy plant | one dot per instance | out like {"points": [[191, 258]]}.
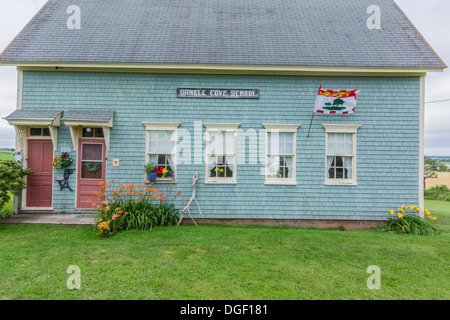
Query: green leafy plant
{"points": [[407, 220], [440, 192], [133, 207], [11, 179]]}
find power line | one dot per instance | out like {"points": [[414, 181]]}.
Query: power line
{"points": [[435, 101]]}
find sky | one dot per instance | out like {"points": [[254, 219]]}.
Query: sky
{"points": [[430, 18]]}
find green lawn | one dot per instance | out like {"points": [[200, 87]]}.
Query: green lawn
{"points": [[224, 262], [6, 155]]}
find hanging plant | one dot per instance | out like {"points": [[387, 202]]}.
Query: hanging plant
{"points": [[66, 160], [93, 166]]}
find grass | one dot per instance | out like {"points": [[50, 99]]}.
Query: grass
{"points": [[6, 154], [224, 262]]}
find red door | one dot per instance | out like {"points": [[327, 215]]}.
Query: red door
{"points": [[39, 184], [91, 171]]}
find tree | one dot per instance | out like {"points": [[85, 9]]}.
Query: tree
{"points": [[11, 179], [431, 166]]}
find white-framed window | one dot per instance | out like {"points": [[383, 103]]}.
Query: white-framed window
{"points": [[220, 153], [281, 150], [161, 149], [340, 154]]}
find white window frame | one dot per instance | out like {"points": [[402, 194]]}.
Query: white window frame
{"points": [[281, 128], [162, 126], [341, 128], [222, 127]]}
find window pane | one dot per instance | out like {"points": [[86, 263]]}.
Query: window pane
{"points": [[35, 131], [340, 137], [289, 137], [92, 151], [348, 149], [289, 148], [273, 165], [331, 148], [168, 147], [91, 170], [349, 138], [87, 132], [153, 147], [153, 135], [162, 135], [98, 132], [46, 132], [331, 138]]}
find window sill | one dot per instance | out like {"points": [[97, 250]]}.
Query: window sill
{"points": [[220, 182], [280, 183], [340, 183], [168, 181]]}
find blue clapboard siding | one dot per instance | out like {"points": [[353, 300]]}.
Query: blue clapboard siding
{"points": [[387, 141]]}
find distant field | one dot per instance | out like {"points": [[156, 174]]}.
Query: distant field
{"points": [[443, 178], [6, 155]]}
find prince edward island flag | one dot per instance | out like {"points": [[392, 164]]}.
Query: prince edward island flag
{"points": [[336, 102]]}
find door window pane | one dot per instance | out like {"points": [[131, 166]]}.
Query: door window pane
{"points": [[91, 161]]}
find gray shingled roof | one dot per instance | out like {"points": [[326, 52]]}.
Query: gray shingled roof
{"points": [[34, 115], [244, 32], [88, 115]]}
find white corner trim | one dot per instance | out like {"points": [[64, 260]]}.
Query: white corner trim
{"points": [[337, 128], [421, 145], [19, 88]]}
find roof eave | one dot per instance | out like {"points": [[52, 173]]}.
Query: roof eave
{"points": [[213, 68]]}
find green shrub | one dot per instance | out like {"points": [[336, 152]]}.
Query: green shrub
{"points": [[11, 179], [441, 192], [411, 223], [134, 207]]}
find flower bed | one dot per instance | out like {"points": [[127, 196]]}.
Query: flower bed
{"points": [[133, 207], [407, 220]]}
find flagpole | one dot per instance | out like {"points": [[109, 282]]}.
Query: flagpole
{"points": [[320, 87], [310, 124]]}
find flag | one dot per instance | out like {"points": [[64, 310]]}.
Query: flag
{"points": [[335, 102]]}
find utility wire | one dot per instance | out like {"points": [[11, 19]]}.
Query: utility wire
{"points": [[438, 101]]}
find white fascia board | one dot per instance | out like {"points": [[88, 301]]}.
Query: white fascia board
{"points": [[224, 67]]}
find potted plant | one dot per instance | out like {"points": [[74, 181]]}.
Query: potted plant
{"points": [[150, 171], [66, 160]]}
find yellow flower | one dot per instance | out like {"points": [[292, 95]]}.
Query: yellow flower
{"points": [[165, 171], [400, 215], [427, 212], [413, 207], [433, 218], [391, 211]]}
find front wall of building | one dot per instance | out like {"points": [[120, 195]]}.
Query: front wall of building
{"points": [[387, 152]]}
